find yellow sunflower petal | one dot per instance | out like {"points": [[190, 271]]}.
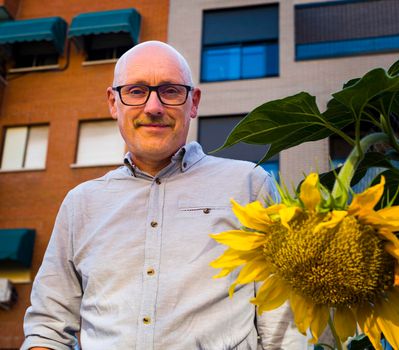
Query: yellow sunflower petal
{"points": [[396, 277], [301, 308], [336, 217], [344, 323], [368, 324], [389, 236], [234, 258], [273, 211], [254, 271], [366, 201], [272, 294], [392, 249], [378, 221], [390, 213], [390, 217], [388, 321], [287, 214], [240, 240], [253, 215], [224, 272], [310, 193], [320, 314]]}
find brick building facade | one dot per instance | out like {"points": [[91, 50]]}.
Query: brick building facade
{"points": [[60, 99]]}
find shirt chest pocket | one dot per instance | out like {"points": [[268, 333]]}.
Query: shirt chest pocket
{"points": [[187, 208]]}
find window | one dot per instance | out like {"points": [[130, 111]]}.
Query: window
{"points": [[32, 44], [213, 131], [344, 28], [34, 55], [105, 35], [100, 143], [107, 46], [240, 43], [25, 147]]}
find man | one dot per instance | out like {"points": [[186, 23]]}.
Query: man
{"points": [[128, 261]]}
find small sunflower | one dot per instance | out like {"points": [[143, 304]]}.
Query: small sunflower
{"points": [[321, 259]]}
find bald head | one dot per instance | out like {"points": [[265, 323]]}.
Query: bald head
{"points": [[152, 52]]}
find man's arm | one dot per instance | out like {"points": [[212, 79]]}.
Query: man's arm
{"points": [[277, 330], [53, 320]]}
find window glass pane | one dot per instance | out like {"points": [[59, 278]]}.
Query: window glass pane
{"points": [[100, 143], [272, 59], [14, 148], [240, 24], [221, 63], [37, 147], [254, 61]]}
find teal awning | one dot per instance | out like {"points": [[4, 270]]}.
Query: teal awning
{"points": [[39, 29], [16, 245], [104, 22]]}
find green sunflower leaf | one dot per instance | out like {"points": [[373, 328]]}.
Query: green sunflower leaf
{"points": [[394, 69], [283, 124], [373, 85]]}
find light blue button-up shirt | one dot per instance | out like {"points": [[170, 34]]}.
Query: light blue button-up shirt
{"points": [[128, 263]]}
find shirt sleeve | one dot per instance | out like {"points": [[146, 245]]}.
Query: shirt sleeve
{"points": [[53, 319], [277, 330]]}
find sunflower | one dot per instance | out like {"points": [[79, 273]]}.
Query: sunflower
{"points": [[321, 259]]}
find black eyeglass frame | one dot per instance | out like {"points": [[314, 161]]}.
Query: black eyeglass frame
{"points": [[153, 88]]}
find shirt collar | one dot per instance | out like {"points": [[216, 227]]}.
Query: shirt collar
{"points": [[185, 158]]}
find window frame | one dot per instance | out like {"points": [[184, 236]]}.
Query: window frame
{"points": [[83, 164], [270, 39], [23, 168]]}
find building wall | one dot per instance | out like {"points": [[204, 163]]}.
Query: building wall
{"points": [[62, 99], [318, 77]]}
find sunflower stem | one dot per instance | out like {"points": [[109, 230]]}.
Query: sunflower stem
{"points": [[335, 334], [340, 192]]}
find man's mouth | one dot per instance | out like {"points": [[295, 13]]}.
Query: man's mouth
{"points": [[154, 125]]}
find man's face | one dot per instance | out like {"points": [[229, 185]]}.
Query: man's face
{"points": [[153, 132]]}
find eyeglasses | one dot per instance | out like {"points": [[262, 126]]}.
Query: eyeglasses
{"points": [[168, 94]]}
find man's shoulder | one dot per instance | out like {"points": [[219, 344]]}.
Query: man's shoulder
{"points": [[234, 166], [100, 182]]}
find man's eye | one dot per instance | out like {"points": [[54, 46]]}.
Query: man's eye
{"points": [[136, 91], [170, 91]]}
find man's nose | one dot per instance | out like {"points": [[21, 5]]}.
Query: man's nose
{"points": [[154, 106]]}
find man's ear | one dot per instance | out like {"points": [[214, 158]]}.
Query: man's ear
{"points": [[112, 103], [196, 100]]}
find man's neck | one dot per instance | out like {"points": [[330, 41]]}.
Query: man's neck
{"points": [[149, 166]]}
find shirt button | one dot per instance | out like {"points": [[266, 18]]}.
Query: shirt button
{"points": [[146, 320], [206, 211], [154, 224], [158, 181], [184, 164], [150, 272]]}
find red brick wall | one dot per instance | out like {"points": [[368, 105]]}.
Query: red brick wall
{"points": [[31, 199]]}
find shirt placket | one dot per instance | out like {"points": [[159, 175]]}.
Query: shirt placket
{"points": [[153, 234]]}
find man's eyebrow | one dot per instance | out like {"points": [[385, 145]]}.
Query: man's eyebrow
{"points": [[162, 82]]}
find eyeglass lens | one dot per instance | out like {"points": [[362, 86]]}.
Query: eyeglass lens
{"points": [[170, 94]]}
